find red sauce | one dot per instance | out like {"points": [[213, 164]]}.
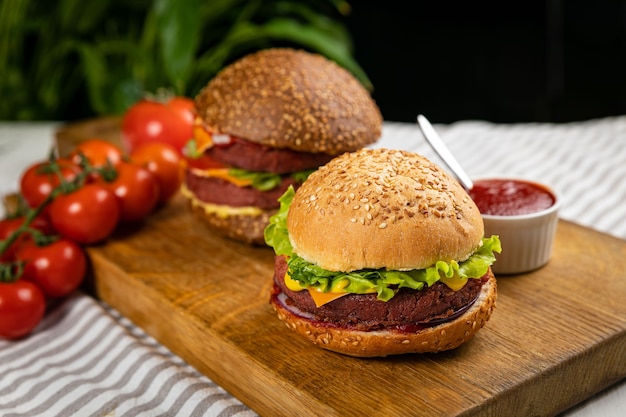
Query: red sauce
{"points": [[505, 197]]}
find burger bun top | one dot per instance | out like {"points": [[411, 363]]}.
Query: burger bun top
{"points": [[381, 208], [287, 98]]}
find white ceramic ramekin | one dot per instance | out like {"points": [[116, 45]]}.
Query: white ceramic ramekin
{"points": [[527, 239]]}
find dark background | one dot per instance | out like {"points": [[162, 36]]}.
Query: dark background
{"points": [[502, 61]]}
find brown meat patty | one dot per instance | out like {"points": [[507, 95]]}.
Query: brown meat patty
{"points": [[423, 308], [218, 191], [252, 156]]}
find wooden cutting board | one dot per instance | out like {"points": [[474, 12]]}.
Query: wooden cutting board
{"points": [[557, 336]]}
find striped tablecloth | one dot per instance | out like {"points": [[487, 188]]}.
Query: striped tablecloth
{"points": [[86, 359]]}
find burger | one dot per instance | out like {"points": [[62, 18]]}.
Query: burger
{"points": [[263, 124], [380, 252]]}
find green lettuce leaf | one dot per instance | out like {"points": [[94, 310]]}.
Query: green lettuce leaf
{"points": [[262, 181], [381, 281], [265, 181], [301, 176], [191, 149], [275, 232]]}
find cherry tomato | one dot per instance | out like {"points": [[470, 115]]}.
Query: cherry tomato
{"points": [[38, 181], [22, 305], [136, 190], [57, 269], [8, 226], [163, 162], [97, 152], [153, 121], [185, 108], [86, 216]]}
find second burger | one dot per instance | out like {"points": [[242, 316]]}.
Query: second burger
{"points": [[264, 123]]}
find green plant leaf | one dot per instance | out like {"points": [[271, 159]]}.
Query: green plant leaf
{"points": [[99, 57], [179, 28], [318, 40], [215, 12], [78, 16], [94, 66], [322, 22], [50, 74]]}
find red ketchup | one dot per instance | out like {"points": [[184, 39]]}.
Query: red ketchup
{"points": [[508, 197]]}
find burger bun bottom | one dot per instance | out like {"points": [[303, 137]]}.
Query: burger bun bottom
{"points": [[242, 227], [445, 336]]}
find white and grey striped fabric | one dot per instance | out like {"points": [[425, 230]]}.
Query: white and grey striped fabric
{"points": [[87, 360]]}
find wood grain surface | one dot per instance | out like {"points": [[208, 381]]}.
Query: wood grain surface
{"points": [[557, 336]]}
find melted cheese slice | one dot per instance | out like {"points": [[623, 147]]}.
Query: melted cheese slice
{"points": [[220, 210], [319, 298], [454, 283], [223, 174], [203, 138]]}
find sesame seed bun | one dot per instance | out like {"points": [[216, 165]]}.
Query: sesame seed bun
{"points": [[242, 227], [445, 336], [288, 98], [381, 208]]}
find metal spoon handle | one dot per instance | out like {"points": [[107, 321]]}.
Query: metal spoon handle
{"points": [[442, 150]]}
